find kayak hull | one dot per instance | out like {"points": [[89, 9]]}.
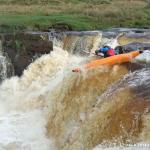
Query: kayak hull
{"points": [[117, 59]]}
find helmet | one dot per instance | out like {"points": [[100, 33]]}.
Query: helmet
{"points": [[106, 46]]}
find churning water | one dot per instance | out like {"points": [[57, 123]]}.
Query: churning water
{"points": [[51, 108]]}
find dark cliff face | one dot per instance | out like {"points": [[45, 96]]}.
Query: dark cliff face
{"points": [[22, 48]]}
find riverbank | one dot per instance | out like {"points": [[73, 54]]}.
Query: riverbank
{"points": [[73, 15]]}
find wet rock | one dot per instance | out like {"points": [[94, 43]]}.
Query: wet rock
{"points": [[134, 38], [21, 63], [133, 66], [135, 46], [22, 47]]}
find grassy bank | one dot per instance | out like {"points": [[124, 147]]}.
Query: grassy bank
{"points": [[77, 14]]}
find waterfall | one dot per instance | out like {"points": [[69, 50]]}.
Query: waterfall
{"points": [[6, 69], [50, 107]]}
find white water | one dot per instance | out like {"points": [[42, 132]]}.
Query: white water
{"points": [[144, 57], [24, 130], [112, 42], [26, 101], [139, 146], [5, 65]]}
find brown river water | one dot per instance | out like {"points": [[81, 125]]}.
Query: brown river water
{"points": [[51, 108]]}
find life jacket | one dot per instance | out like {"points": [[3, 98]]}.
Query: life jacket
{"points": [[110, 52]]}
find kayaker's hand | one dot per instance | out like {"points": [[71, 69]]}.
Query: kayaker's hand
{"points": [[100, 54]]}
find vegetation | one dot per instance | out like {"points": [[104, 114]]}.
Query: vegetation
{"points": [[76, 14]]}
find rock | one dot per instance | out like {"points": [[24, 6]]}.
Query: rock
{"points": [[134, 38], [22, 47], [136, 45], [21, 63]]}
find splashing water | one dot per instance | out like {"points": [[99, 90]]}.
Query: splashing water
{"points": [[76, 42], [25, 99], [51, 108], [23, 130], [6, 69], [3, 68], [144, 57]]}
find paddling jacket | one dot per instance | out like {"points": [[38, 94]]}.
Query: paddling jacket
{"points": [[107, 51]]}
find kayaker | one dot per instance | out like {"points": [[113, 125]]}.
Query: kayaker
{"points": [[119, 50], [105, 51]]}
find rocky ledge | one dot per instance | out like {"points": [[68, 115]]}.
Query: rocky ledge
{"points": [[23, 47]]}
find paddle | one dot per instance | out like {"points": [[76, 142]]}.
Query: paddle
{"points": [[101, 55], [87, 52]]}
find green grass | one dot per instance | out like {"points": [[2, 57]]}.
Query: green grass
{"points": [[41, 21], [78, 14], [28, 2]]}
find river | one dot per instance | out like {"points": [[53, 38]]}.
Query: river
{"points": [[52, 108]]}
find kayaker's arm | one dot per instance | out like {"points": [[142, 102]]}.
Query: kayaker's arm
{"points": [[95, 54]]}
